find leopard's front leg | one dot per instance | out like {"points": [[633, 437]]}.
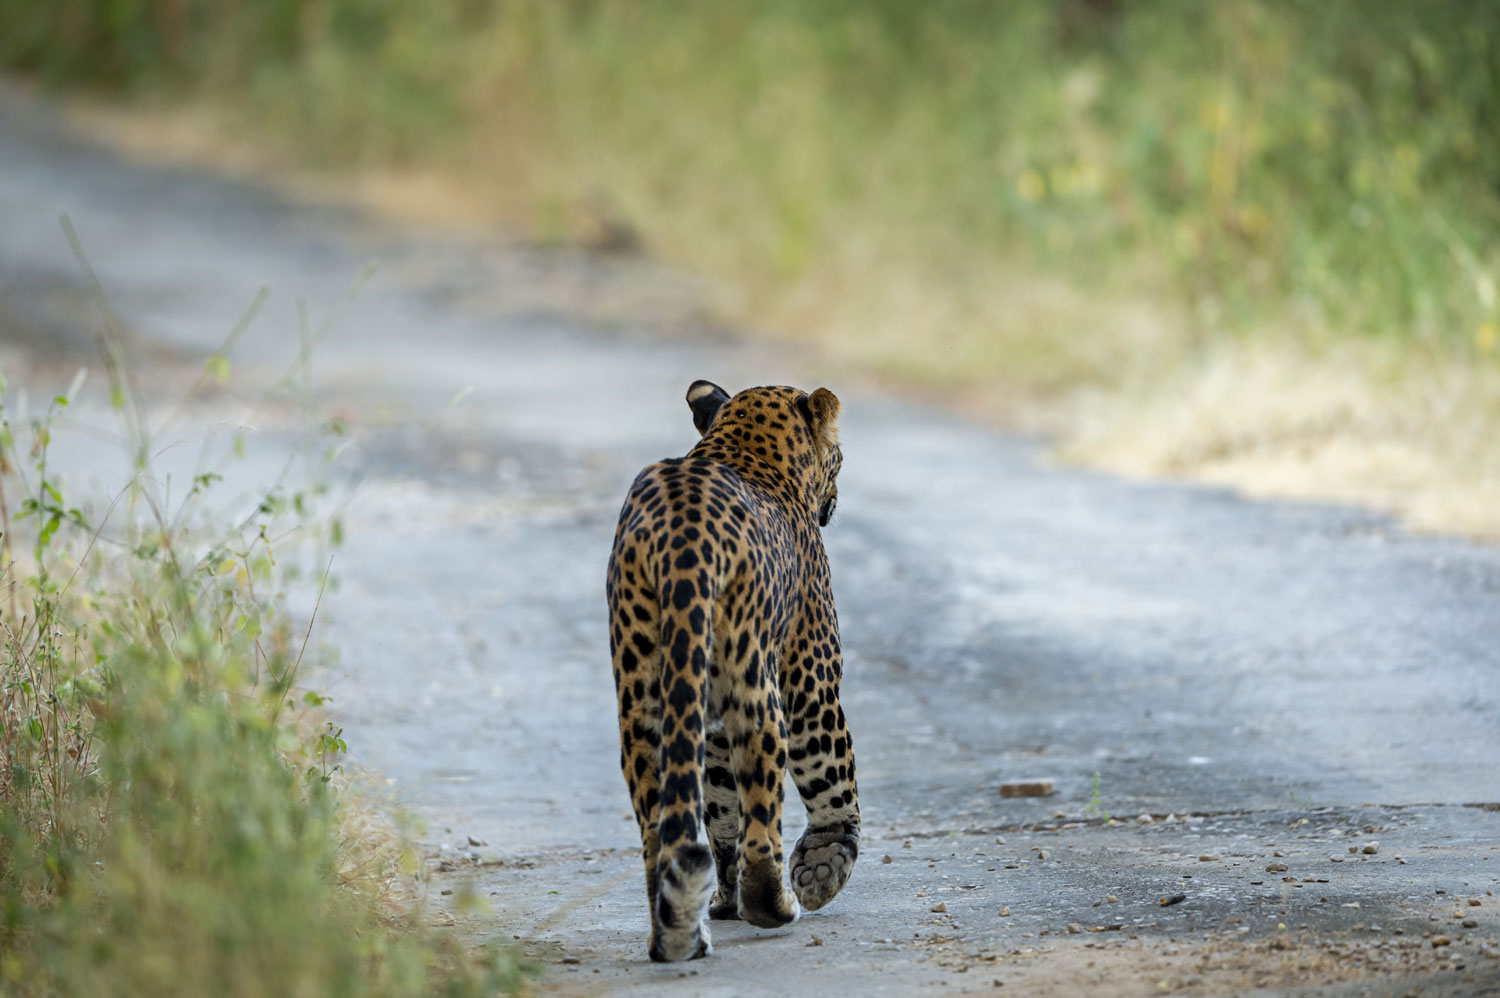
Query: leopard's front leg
{"points": [[822, 762]]}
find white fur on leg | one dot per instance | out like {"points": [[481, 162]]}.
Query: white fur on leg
{"points": [[682, 895]]}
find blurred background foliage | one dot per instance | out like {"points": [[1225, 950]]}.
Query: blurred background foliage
{"points": [[1039, 195]]}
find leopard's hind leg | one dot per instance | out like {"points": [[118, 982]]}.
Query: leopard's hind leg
{"points": [[723, 815], [685, 864], [664, 801], [822, 763], [757, 737]]}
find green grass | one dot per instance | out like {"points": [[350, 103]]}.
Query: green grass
{"points": [[1323, 165], [171, 819]]}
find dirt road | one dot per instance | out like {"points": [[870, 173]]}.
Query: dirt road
{"points": [[1235, 699]]}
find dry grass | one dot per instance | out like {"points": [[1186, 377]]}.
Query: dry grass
{"points": [[1353, 424]]}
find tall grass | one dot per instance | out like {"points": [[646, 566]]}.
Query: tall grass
{"points": [[169, 824]]}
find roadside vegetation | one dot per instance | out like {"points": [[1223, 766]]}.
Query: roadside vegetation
{"points": [[173, 813], [1255, 241]]}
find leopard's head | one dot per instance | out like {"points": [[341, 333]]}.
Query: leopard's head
{"points": [[784, 426]]}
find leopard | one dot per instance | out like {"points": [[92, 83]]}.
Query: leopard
{"points": [[727, 662]]}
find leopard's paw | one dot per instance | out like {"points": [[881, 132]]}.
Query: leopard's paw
{"points": [[673, 946], [679, 931], [821, 865]]}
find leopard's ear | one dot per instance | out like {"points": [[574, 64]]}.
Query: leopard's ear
{"points": [[705, 399], [821, 410]]}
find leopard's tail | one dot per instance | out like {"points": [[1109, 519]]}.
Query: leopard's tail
{"points": [[685, 869]]}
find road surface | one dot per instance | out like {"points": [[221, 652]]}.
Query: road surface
{"points": [[1218, 687]]}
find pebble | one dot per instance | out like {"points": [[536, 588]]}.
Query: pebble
{"points": [[1174, 899], [1210, 857], [1004, 911], [1335, 859], [1471, 923], [1473, 902], [1074, 928], [1026, 788], [1145, 819], [999, 840], [1353, 849], [1438, 941], [1111, 899], [886, 858], [1059, 814], [940, 907], [1371, 848], [1041, 854], [1275, 867]]}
